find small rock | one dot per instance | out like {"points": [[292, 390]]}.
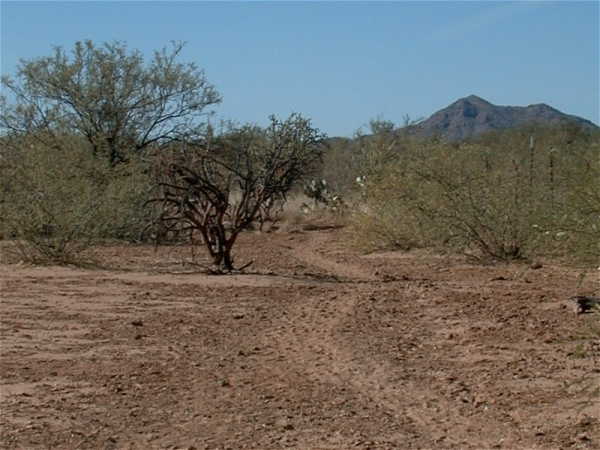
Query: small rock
{"points": [[137, 323], [536, 266]]}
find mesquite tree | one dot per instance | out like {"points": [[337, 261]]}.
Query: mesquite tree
{"points": [[108, 95], [215, 188]]}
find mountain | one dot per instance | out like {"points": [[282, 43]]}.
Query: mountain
{"points": [[472, 115]]}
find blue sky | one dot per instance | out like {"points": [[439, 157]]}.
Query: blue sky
{"points": [[343, 63]]}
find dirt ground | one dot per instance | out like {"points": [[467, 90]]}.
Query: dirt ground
{"points": [[315, 347]]}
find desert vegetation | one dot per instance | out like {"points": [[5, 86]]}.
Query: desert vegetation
{"points": [[59, 202], [99, 144], [518, 194]]}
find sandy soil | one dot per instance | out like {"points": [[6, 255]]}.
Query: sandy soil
{"points": [[316, 347]]}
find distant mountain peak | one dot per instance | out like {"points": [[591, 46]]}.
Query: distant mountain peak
{"points": [[474, 98], [473, 115]]}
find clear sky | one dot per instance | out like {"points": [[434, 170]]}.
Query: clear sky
{"points": [[343, 63]]}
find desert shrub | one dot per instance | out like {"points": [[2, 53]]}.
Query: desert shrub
{"points": [[577, 204], [338, 167], [347, 163], [57, 202], [498, 199], [214, 188], [376, 151], [384, 219]]}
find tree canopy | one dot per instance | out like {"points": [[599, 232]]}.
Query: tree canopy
{"points": [[109, 95]]}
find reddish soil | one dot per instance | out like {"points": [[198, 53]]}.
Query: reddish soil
{"points": [[316, 347]]}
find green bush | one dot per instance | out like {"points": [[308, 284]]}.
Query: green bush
{"points": [[577, 225], [362, 156], [503, 198], [57, 202]]}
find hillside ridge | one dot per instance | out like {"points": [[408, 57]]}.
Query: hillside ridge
{"points": [[472, 115]]}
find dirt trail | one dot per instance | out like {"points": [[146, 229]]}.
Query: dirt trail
{"points": [[314, 340], [319, 347], [314, 337], [327, 253]]}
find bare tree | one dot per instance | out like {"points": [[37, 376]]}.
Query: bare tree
{"points": [[214, 189], [108, 95]]}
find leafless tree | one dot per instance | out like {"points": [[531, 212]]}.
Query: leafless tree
{"points": [[215, 188]]}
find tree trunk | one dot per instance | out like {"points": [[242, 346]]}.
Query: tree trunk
{"points": [[220, 247], [227, 263], [223, 259]]}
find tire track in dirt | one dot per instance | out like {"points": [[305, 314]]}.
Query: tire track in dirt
{"points": [[310, 250], [314, 341]]}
